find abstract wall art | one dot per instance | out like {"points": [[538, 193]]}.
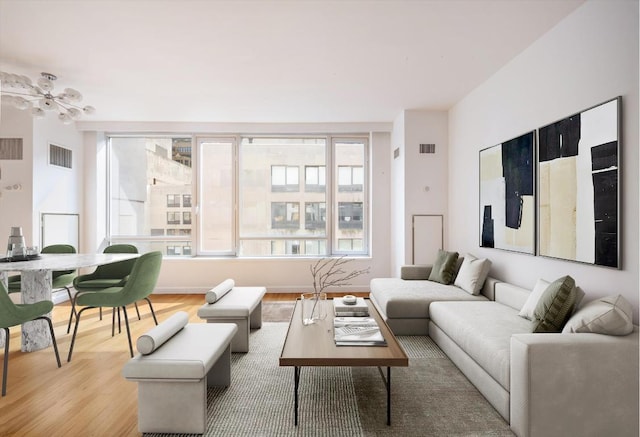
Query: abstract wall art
{"points": [[507, 195], [578, 191]]}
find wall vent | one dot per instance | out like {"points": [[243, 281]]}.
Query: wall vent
{"points": [[60, 156], [11, 148], [427, 148], [396, 153]]}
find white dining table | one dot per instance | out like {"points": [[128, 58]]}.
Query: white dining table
{"points": [[36, 286]]}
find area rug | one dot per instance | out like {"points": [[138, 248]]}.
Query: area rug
{"points": [[429, 398]]}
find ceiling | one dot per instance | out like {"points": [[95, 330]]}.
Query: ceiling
{"points": [[269, 61]]}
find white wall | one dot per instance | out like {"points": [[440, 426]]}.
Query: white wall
{"points": [[15, 205], [55, 189], [588, 58], [419, 182]]}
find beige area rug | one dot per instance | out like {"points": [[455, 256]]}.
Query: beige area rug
{"points": [[429, 398]]}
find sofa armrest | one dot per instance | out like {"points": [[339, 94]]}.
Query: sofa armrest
{"points": [[574, 384], [413, 272]]}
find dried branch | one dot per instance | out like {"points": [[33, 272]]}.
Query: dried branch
{"points": [[330, 272]]}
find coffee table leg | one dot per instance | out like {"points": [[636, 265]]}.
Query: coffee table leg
{"points": [[388, 396], [387, 384], [296, 383]]}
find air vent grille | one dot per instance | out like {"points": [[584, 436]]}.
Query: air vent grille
{"points": [[59, 156], [11, 148], [427, 148]]}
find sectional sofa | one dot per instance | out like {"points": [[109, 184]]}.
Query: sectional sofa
{"points": [[543, 384]]}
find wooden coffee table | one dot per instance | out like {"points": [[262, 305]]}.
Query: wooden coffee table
{"points": [[314, 345]]}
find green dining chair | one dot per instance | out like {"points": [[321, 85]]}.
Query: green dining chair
{"points": [[139, 286], [106, 276], [12, 314], [59, 280]]}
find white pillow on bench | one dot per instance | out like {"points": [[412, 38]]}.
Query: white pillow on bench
{"points": [[219, 290], [159, 335]]}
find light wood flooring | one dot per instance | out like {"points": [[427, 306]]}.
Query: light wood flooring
{"points": [[88, 396]]}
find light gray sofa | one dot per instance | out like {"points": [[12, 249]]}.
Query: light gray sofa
{"points": [[542, 384]]}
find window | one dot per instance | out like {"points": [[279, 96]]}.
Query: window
{"points": [[350, 178], [350, 215], [186, 200], [284, 178], [186, 217], [174, 250], [186, 250], [173, 218], [315, 215], [173, 200], [285, 215], [217, 196], [250, 199], [315, 178]]}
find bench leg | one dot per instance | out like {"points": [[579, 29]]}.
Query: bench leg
{"points": [[172, 407], [240, 342], [256, 317], [220, 373]]}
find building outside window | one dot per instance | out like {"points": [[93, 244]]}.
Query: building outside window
{"points": [[249, 199]]}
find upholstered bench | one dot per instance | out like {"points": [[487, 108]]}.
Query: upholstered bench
{"points": [[176, 364], [227, 303]]}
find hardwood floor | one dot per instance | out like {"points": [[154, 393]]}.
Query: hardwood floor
{"points": [[88, 396]]}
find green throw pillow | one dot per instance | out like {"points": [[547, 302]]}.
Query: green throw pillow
{"points": [[556, 305], [444, 268]]}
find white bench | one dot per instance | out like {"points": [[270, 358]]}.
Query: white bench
{"points": [[178, 361], [227, 303]]}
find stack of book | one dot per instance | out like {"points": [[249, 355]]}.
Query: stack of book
{"points": [[357, 331], [359, 309]]}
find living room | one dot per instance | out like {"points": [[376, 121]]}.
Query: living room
{"points": [[587, 54]]}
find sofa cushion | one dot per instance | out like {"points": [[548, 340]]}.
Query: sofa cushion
{"points": [[555, 305], [532, 301], [472, 274], [401, 299], [218, 292], [444, 268], [610, 315], [483, 330]]}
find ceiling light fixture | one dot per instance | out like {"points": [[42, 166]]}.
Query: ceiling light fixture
{"points": [[20, 92]]}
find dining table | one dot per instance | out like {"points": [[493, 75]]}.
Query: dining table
{"points": [[35, 286]]}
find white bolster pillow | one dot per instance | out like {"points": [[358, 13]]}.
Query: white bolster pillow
{"points": [[219, 290], [156, 337]]}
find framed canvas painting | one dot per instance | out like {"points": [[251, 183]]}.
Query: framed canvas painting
{"points": [[578, 201], [507, 195]]}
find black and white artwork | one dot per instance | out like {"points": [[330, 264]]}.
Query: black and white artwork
{"points": [[507, 195], [578, 202]]}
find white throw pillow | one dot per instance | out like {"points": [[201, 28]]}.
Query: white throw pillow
{"points": [[532, 301], [610, 315], [472, 274]]}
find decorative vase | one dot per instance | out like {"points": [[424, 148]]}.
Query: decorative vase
{"points": [[313, 307]]}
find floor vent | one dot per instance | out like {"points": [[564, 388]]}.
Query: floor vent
{"points": [[59, 156], [427, 148], [11, 148]]}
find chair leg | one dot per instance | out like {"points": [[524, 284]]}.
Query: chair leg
{"points": [[113, 321], [53, 338], [6, 361], [151, 308], [75, 331], [100, 313], [126, 323], [137, 310], [73, 310]]}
